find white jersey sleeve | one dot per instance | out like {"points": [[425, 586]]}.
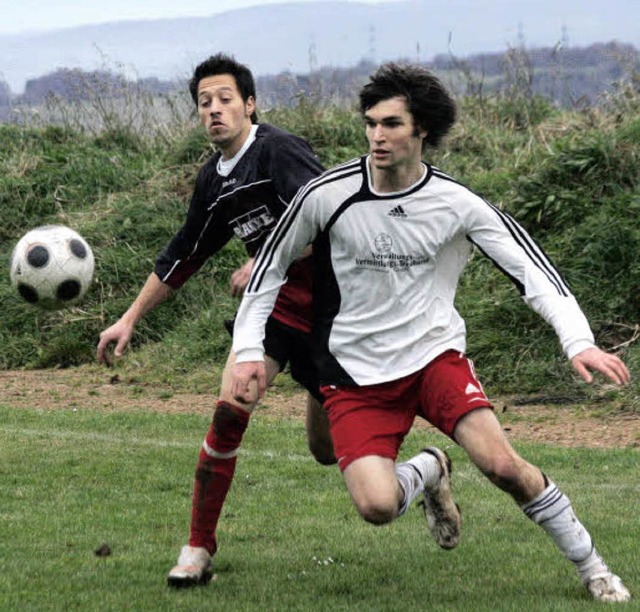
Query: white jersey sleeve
{"points": [[294, 232], [541, 286]]}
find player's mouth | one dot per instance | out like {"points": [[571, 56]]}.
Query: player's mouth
{"points": [[380, 153]]}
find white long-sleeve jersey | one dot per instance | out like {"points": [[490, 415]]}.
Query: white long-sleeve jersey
{"points": [[387, 270]]}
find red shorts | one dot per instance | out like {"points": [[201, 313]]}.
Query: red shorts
{"points": [[374, 419]]}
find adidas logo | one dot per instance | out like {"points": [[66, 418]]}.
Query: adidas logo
{"points": [[398, 212], [471, 389]]}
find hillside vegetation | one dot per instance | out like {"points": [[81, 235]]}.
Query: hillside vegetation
{"points": [[571, 178]]}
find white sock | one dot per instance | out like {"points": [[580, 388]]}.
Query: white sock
{"points": [[414, 475], [553, 512]]}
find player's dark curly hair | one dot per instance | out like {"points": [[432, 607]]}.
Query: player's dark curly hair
{"points": [[430, 104], [225, 64]]}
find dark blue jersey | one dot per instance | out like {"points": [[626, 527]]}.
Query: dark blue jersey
{"points": [[246, 204]]}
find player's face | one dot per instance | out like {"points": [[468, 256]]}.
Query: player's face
{"points": [[223, 112], [393, 141]]}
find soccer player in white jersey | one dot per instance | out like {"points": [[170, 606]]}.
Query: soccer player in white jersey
{"points": [[391, 237]]}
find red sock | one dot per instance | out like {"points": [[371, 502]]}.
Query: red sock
{"points": [[214, 472]]}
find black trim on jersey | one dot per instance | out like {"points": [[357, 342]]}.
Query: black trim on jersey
{"points": [[532, 250], [530, 247], [393, 196], [353, 199], [265, 255], [519, 285], [326, 305], [363, 193]]}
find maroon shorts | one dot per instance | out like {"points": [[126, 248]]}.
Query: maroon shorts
{"points": [[374, 419]]}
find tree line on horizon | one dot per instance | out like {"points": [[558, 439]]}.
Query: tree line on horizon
{"points": [[568, 77]]}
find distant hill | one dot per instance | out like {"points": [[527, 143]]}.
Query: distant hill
{"points": [[304, 37]]}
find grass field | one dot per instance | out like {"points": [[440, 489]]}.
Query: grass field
{"points": [[73, 480]]}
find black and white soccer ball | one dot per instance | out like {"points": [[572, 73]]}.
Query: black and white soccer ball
{"points": [[52, 267]]}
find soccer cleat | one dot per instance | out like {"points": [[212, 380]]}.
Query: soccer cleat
{"points": [[194, 568], [441, 512], [607, 587]]}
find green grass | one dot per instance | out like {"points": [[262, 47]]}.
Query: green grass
{"points": [[289, 538]]}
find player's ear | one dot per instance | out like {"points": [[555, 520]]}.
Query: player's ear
{"points": [[250, 106], [419, 132]]}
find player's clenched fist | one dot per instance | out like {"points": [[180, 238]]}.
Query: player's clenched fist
{"points": [[244, 374]]}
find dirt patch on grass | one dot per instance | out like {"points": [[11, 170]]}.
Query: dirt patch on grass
{"points": [[554, 421]]}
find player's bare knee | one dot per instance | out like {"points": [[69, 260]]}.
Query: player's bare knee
{"points": [[376, 513], [376, 507]]}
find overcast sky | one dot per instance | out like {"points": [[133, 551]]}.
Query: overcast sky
{"points": [[29, 15], [463, 26]]}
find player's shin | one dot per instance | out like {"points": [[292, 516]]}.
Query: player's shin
{"points": [[414, 475], [214, 472], [553, 512]]}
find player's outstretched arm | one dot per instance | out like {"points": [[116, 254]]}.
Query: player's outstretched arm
{"points": [[153, 292], [597, 360], [245, 374]]}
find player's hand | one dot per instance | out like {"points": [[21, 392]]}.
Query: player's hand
{"points": [[120, 333], [246, 374], [597, 360], [240, 278]]}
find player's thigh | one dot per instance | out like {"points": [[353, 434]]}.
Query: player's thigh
{"points": [[293, 346], [449, 390], [317, 418], [272, 368], [369, 421], [318, 432]]}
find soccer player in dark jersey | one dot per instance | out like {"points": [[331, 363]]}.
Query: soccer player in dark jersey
{"points": [[241, 191], [391, 236]]}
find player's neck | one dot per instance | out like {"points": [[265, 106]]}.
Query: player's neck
{"points": [[396, 178]]}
